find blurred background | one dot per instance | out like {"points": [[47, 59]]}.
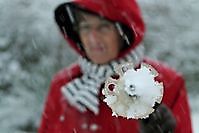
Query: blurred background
{"points": [[32, 50]]}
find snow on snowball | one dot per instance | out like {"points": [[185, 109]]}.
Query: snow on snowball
{"points": [[134, 92]]}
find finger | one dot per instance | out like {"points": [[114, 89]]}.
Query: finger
{"points": [[163, 108], [153, 119], [155, 128], [163, 113], [156, 116], [169, 125], [156, 105]]}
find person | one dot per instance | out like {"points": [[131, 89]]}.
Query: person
{"points": [[106, 34]]}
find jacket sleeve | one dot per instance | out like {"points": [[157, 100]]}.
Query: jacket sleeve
{"points": [[175, 95], [181, 110], [51, 110], [54, 105]]}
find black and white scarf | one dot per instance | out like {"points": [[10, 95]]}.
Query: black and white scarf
{"points": [[82, 92]]}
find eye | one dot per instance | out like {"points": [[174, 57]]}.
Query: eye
{"points": [[104, 27], [84, 28]]}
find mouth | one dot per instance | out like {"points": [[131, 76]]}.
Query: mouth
{"points": [[98, 48]]}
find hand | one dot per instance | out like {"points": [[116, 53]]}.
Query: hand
{"points": [[160, 121]]}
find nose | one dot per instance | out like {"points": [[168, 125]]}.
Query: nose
{"points": [[93, 37]]}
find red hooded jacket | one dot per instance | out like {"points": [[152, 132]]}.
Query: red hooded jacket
{"points": [[59, 117]]}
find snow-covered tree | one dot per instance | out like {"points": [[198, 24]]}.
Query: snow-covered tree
{"points": [[31, 50]]}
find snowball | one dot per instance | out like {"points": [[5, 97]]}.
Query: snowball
{"points": [[135, 93], [110, 100]]}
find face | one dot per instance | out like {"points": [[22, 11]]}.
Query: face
{"points": [[100, 39]]}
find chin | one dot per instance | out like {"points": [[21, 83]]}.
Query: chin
{"points": [[100, 61]]}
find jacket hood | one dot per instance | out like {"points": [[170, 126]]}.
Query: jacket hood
{"points": [[125, 14]]}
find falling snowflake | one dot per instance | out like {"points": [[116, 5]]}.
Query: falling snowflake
{"points": [[134, 92]]}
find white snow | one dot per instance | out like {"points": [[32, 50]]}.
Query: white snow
{"points": [[131, 98], [111, 99], [172, 36], [94, 127], [194, 102], [84, 126]]}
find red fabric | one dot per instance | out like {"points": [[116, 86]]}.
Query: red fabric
{"points": [[56, 108], [59, 117], [125, 11]]}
